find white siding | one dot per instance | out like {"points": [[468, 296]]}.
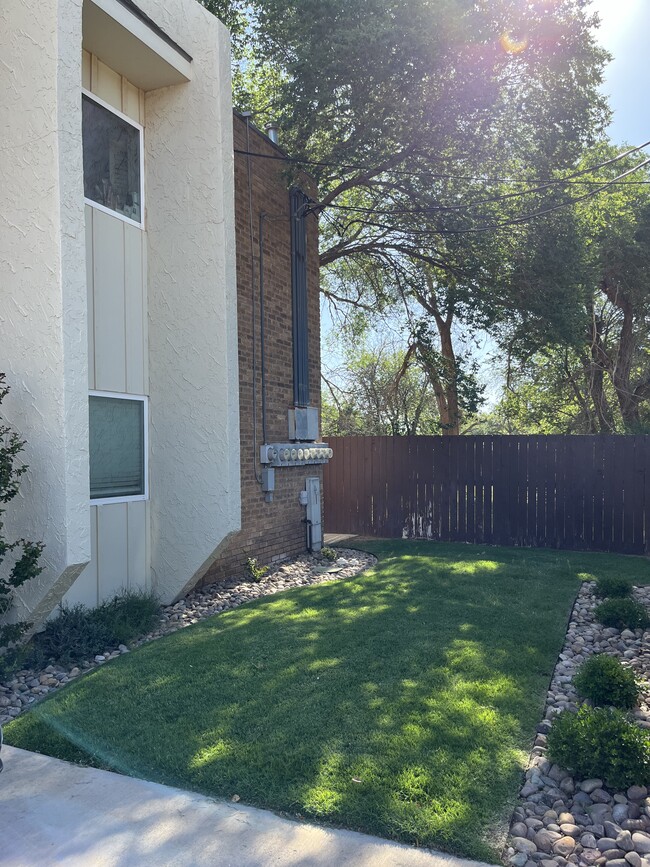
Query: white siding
{"points": [[117, 359]]}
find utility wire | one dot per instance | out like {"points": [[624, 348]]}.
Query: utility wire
{"points": [[443, 176], [515, 221]]}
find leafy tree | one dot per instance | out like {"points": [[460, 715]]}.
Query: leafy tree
{"points": [[23, 555], [579, 325], [381, 394], [407, 111]]}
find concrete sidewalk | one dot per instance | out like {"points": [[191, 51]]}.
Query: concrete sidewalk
{"points": [[52, 812]]}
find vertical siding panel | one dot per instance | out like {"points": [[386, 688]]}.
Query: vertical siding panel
{"points": [[130, 100], [94, 75], [108, 274], [108, 85], [90, 292], [136, 545], [134, 321], [112, 555], [85, 70]]}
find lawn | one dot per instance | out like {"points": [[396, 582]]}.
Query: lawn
{"points": [[402, 702]]}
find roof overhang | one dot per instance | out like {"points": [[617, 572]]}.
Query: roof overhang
{"points": [[131, 43]]}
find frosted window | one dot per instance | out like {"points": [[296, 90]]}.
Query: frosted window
{"points": [[117, 454], [111, 148]]}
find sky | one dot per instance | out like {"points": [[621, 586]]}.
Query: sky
{"points": [[625, 33]]}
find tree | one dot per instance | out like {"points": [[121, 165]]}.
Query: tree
{"points": [[406, 112], [581, 327], [24, 555], [379, 395]]}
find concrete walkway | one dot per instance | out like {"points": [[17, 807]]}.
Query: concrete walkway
{"points": [[52, 812]]}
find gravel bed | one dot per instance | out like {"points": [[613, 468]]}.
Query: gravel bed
{"points": [[561, 820], [27, 686]]}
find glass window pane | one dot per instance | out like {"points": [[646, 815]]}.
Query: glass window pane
{"points": [[117, 459], [111, 149]]}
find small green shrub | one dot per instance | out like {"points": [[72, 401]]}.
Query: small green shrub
{"points": [[129, 615], [601, 743], [74, 635], [77, 633], [622, 614], [255, 572], [328, 553], [612, 586], [604, 681]]}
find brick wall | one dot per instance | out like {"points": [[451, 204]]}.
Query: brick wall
{"points": [[270, 531]]}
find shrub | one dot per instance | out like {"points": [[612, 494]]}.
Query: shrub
{"points": [[77, 633], [254, 571], [328, 553], [604, 681], [601, 743], [24, 554], [129, 614], [612, 586], [74, 635], [622, 614]]}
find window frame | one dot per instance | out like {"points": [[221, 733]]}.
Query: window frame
{"points": [[91, 202], [134, 498]]}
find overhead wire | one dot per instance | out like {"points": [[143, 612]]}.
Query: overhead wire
{"points": [[516, 220], [447, 176]]}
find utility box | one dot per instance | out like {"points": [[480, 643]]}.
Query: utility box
{"points": [[314, 523], [303, 423]]}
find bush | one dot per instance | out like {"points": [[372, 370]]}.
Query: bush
{"points": [[613, 587], [328, 553], [74, 635], [622, 614], [77, 633], [604, 681], [601, 743], [254, 571], [24, 555]]}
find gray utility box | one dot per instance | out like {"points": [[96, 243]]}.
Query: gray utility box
{"points": [[303, 424]]}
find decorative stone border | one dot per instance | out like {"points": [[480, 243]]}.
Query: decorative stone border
{"points": [[561, 820], [19, 693]]}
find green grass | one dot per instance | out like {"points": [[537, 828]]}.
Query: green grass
{"points": [[402, 703]]}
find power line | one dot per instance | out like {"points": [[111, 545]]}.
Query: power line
{"points": [[517, 220], [446, 176]]}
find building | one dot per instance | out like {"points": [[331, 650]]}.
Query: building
{"points": [[279, 351], [118, 306]]}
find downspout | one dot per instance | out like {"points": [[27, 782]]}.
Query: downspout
{"points": [[258, 476], [262, 333]]}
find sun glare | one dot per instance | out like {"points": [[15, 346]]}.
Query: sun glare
{"points": [[512, 46]]}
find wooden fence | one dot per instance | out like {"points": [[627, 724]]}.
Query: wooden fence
{"points": [[583, 492]]}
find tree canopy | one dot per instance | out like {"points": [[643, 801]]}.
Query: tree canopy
{"points": [[434, 130]]}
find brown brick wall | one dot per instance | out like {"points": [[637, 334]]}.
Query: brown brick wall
{"points": [[269, 530]]}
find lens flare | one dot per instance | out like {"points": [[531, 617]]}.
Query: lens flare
{"points": [[511, 45]]}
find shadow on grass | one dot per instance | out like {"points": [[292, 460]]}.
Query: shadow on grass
{"points": [[401, 703]]}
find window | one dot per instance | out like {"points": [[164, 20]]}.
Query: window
{"points": [[298, 203], [112, 152], [118, 447]]}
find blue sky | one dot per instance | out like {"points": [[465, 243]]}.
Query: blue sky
{"points": [[625, 33]]}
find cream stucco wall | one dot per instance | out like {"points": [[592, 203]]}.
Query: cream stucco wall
{"points": [[43, 347], [191, 296], [193, 375]]}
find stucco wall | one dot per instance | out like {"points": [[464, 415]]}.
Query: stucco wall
{"points": [[194, 432], [191, 294], [42, 285]]}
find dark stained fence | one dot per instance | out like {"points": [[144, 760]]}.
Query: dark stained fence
{"points": [[582, 492]]}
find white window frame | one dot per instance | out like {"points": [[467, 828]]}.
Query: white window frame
{"points": [[135, 498], [140, 129]]}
